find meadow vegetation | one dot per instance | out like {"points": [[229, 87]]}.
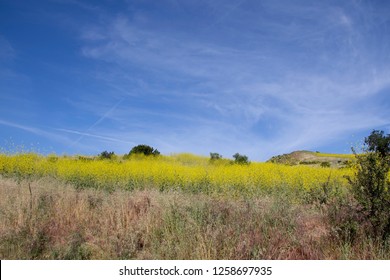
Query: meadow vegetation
{"points": [[190, 207], [184, 172]]}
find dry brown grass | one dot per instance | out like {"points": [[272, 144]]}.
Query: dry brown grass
{"points": [[60, 222]]}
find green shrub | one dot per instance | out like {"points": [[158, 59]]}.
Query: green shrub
{"points": [[370, 185], [309, 162], [240, 159], [84, 158], [144, 149], [107, 155], [215, 156], [379, 143]]}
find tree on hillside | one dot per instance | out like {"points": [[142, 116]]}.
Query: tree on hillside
{"points": [[106, 155], [215, 156], [240, 159], [144, 149]]}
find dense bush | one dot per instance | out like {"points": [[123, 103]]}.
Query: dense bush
{"points": [[240, 159], [144, 149], [325, 164], [215, 156], [311, 162], [370, 185], [106, 155], [379, 143]]}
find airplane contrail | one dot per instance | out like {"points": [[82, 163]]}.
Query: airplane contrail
{"points": [[83, 134], [105, 115]]}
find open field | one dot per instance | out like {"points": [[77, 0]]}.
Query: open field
{"points": [[60, 222], [176, 207], [185, 172]]}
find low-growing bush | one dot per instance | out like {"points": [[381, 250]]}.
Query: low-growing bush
{"points": [[107, 155], [240, 159], [215, 156], [310, 162], [143, 149]]}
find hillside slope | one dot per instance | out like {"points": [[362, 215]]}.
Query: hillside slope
{"points": [[313, 158]]}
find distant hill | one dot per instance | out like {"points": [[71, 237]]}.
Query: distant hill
{"points": [[313, 158]]}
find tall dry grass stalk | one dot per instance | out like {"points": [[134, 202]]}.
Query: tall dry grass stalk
{"points": [[65, 223]]}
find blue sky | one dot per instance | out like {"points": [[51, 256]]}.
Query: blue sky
{"points": [[256, 77]]}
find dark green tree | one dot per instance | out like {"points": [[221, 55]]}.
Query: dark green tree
{"points": [[379, 143], [215, 156], [106, 155], [144, 149], [240, 159]]}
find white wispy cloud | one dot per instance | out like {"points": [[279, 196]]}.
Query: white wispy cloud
{"points": [[46, 133], [22, 127], [306, 69], [95, 143]]}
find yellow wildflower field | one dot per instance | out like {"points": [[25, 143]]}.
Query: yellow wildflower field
{"points": [[176, 172]]}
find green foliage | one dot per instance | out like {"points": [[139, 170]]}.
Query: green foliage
{"points": [[310, 162], [325, 164], [371, 183], [144, 149], [84, 158], [348, 164], [215, 156], [217, 160], [371, 189], [107, 155], [379, 143], [240, 159]]}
